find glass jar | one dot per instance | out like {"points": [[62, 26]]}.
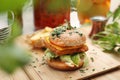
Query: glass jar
{"points": [[51, 13], [90, 8]]}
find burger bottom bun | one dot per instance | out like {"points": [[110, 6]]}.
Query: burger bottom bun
{"points": [[59, 65]]}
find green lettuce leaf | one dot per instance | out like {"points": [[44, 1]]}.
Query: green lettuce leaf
{"points": [[70, 59], [49, 54], [66, 58], [76, 59]]}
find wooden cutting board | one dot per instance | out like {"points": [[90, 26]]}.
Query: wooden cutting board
{"points": [[99, 62]]}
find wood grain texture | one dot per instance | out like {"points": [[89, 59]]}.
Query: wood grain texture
{"points": [[114, 75], [39, 70], [5, 76], [19, 74]]}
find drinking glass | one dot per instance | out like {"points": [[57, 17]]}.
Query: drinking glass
{"points": [[6, 21], [90, 8]]}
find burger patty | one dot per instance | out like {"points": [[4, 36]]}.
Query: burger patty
{"points": [[65, 50]]}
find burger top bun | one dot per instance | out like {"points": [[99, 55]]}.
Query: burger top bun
{"points": [[68, 38]]}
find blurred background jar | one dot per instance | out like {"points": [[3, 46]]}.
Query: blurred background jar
{"points": [[51, 13], [90, 8]]}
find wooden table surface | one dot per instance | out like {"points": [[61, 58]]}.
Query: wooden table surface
{"points": [[28, 27]]}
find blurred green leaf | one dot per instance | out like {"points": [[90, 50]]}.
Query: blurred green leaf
{"points": [[113, 28], [109, 38], [13, 57], [116, 13], [109, 14], [6, 5]]}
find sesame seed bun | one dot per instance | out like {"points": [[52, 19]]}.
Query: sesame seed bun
{"points": [[69, 38]]}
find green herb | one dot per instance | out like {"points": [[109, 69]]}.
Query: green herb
{"points": [[76, 32], [80, 34], [33, 61], [93, 50], [86, 68], [104, 68], [57, 31], [82, 55], [39, 71], [70, 33], [37, 59], [75, 27], [116, 14], [69, 27], [82, 71], [92, 59], [29, 65], [43, 58], [34, 66], [109, 39], [93, 69], [43, 63], [70, 77]]}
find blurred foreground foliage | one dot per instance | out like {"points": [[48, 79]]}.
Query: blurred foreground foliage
{"points": [[11, 55], [6, 5]]}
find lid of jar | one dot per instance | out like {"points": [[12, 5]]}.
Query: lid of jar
{"points": [[98, 18]]}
